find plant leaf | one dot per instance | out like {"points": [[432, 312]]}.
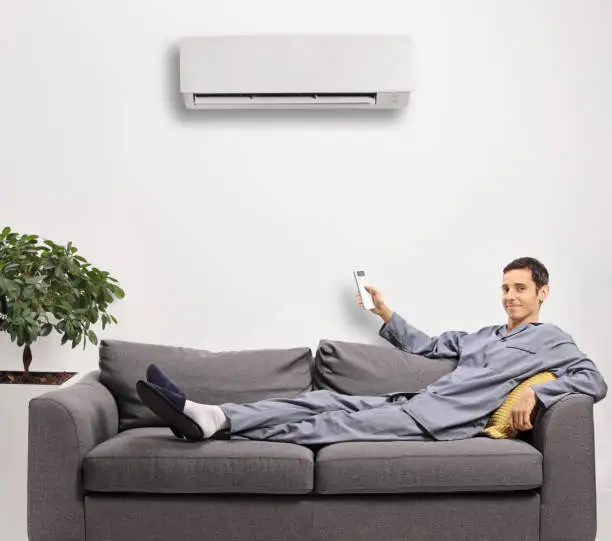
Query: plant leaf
{"points": [[9, 287], [28, 292], [10, 266], [117, 291], [92, 337], [46, 329]]}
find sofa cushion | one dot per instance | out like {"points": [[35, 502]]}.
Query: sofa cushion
{"points": [[472, 465], [369, 369], [152, 460], [205, 376]]}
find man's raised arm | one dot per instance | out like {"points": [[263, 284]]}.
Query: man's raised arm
{"points": [[411, 340]]}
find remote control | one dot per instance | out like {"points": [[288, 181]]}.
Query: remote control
{"points": [[366, 298]]}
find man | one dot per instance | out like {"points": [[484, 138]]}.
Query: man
{"points": [[491, 362]]}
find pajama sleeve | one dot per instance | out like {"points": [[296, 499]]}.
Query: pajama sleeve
{"points": [[576, 373], [411, 340]]}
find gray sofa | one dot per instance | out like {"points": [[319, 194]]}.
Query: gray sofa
{"points": [[102, 467]]}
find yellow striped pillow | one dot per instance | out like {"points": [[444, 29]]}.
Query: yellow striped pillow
{"points": [[499, 422]]}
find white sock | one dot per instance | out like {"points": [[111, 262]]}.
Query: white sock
{"points": [[210, 418]]}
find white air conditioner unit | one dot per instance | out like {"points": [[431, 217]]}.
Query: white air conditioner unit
{"points": [[297, 72]]}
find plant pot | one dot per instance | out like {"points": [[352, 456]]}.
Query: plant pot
{"points": [[14, 399]]}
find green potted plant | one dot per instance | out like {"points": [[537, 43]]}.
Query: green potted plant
{"points": [[45, 286]]}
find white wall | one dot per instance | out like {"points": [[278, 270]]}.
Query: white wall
{"points": [[503, 152]]}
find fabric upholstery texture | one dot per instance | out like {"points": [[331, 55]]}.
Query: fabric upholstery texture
{"points": [[369, 369]]}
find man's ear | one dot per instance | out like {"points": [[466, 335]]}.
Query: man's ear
{"points": [[543, 292]]}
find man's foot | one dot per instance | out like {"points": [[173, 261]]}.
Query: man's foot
{"points": [[157, 376], [169, 406], [210, 418]]}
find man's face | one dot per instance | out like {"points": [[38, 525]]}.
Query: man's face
{"points": [[519, 296]]}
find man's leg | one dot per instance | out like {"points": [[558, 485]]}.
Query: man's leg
{"points": [[275, 411], [169, 402], [385, 423], [314, 415]]}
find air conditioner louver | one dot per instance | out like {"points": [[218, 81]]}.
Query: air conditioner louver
{"points": [[284, 99]]}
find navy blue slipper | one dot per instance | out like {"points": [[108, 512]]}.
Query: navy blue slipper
{"points": [[157, 376], [169, 406]]}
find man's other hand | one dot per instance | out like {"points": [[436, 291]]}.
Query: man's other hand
{"points": [[520, 417]]}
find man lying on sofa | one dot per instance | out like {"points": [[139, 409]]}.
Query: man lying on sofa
{"points": [[491, 363]]}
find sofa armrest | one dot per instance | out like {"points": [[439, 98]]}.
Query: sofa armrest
{"points": [[64, 425], [564, 434]]}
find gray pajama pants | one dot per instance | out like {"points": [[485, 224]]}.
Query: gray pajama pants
{"points": [[323, 417]]}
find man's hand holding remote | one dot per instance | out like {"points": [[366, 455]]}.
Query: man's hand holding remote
{"points": [[380, 308]]}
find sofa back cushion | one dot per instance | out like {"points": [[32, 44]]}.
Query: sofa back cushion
{"points": [[212, 377], [369, 369]]}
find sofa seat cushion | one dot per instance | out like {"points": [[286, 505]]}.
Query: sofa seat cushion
{"points": [[152, 460], [471, 465]]}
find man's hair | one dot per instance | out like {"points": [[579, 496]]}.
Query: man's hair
{"points": [[538, 270]]}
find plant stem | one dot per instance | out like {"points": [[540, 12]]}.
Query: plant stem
{"points": [[27, 359]]}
